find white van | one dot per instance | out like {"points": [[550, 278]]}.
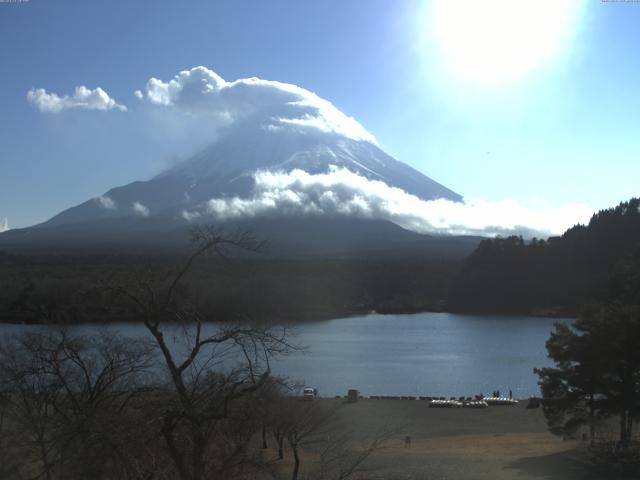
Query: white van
{"points": [[309, 393]]}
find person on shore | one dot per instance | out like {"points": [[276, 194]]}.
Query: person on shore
{"points": [[510, 395]]}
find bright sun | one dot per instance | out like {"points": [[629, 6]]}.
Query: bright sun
{"points": [[493, 41]]}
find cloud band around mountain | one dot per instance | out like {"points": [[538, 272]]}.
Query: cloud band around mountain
{"points": [[341, 192]]}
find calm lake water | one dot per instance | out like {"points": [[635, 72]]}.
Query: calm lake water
{"points": [[434, 354]]}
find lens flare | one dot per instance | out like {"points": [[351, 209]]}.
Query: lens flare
{"points": [[495, 41]]}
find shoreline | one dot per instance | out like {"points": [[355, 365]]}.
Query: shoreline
{"points": [[286, 321]]}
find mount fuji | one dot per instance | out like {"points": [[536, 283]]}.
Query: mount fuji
{"points": [[302, 145]]}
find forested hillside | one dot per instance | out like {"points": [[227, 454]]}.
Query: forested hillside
{"points": [[66, 289], [554, 276]]}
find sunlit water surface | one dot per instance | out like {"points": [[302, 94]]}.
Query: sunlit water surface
{"points": [[433, 354]]}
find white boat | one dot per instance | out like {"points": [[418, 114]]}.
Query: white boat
{"points": [[475, 404], [445, 404], [500, 401]]}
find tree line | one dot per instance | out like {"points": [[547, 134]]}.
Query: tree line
{"points": [[555, 276], [59, 289]]}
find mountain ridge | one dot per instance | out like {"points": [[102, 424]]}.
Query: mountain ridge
{"points": [[226, 169]]}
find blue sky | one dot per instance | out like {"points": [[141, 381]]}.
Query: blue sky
{"points": [[564, 131]]}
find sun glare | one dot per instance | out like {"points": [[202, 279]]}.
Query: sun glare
{"points": [[493, 41]]}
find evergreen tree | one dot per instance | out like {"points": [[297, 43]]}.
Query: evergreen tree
{"points": [[597, 372]]}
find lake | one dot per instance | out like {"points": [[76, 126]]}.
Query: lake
{"points": [[432, 354]]}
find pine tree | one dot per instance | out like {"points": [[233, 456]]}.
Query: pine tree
{"points": [[597, 372]]}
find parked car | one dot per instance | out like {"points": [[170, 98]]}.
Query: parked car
{"points": [[309, 393]]}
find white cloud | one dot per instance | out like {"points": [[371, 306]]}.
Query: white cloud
{"points": [[187, 215], [83, 97], [202, 92], [106, 202], [342, 192], [140, 210], [4, 224]]}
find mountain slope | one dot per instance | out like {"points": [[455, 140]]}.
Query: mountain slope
{"points": [[153, 214], [226, 169]]}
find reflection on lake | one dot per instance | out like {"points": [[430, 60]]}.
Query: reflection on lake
{"points": [[437, 354], [422, 354]]}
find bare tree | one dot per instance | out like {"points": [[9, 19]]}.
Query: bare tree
{"points": [[8, 457], [31, 396], [277, 423], [67, 394], [87, 407], [315, 427], [215, 372], [342, 456], [307, 422]]}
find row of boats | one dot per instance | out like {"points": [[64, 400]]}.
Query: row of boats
{"points": [[468, 403], [453, 402]]}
